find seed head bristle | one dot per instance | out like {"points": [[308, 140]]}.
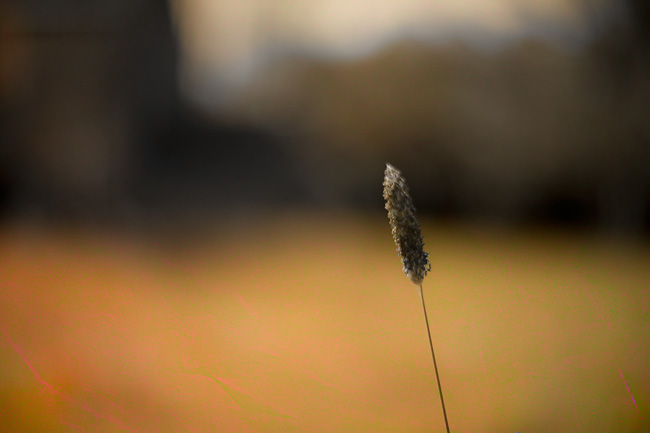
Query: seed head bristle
{"points": [[404, 226]]}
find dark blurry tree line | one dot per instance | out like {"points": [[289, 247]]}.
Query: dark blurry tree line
{"points": [[93, 125]]}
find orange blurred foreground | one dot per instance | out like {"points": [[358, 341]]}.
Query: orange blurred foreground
{"points": [[307, 324]]}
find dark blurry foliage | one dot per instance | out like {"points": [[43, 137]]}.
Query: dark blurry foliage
{"points": [[531, 130], [93, 125], [83, 85]]}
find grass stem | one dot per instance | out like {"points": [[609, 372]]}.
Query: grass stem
{"points": [[435, 365]]}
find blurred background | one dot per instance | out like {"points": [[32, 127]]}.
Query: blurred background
{"points": [[509, 111], [192, 232]]}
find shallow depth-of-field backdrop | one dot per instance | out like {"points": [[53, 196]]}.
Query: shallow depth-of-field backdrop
{"points": [[307, 324], [193, 237]]}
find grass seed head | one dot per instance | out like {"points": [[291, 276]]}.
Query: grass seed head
{"points": [[404, 226]]}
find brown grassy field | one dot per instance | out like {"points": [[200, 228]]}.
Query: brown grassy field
{"points": [[306, 323]]}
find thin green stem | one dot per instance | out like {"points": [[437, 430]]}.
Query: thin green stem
{"points": [[435, 365]]}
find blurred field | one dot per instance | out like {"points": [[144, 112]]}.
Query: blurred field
{"points": [[306, 324]]}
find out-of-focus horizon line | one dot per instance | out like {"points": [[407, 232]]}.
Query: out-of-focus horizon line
{"points": [[224, 46]]}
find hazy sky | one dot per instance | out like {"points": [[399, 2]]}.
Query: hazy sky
{"points": [[225, 41]]}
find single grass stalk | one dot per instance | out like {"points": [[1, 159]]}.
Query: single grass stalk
{"points": [[410, 246], [435, 364]]}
